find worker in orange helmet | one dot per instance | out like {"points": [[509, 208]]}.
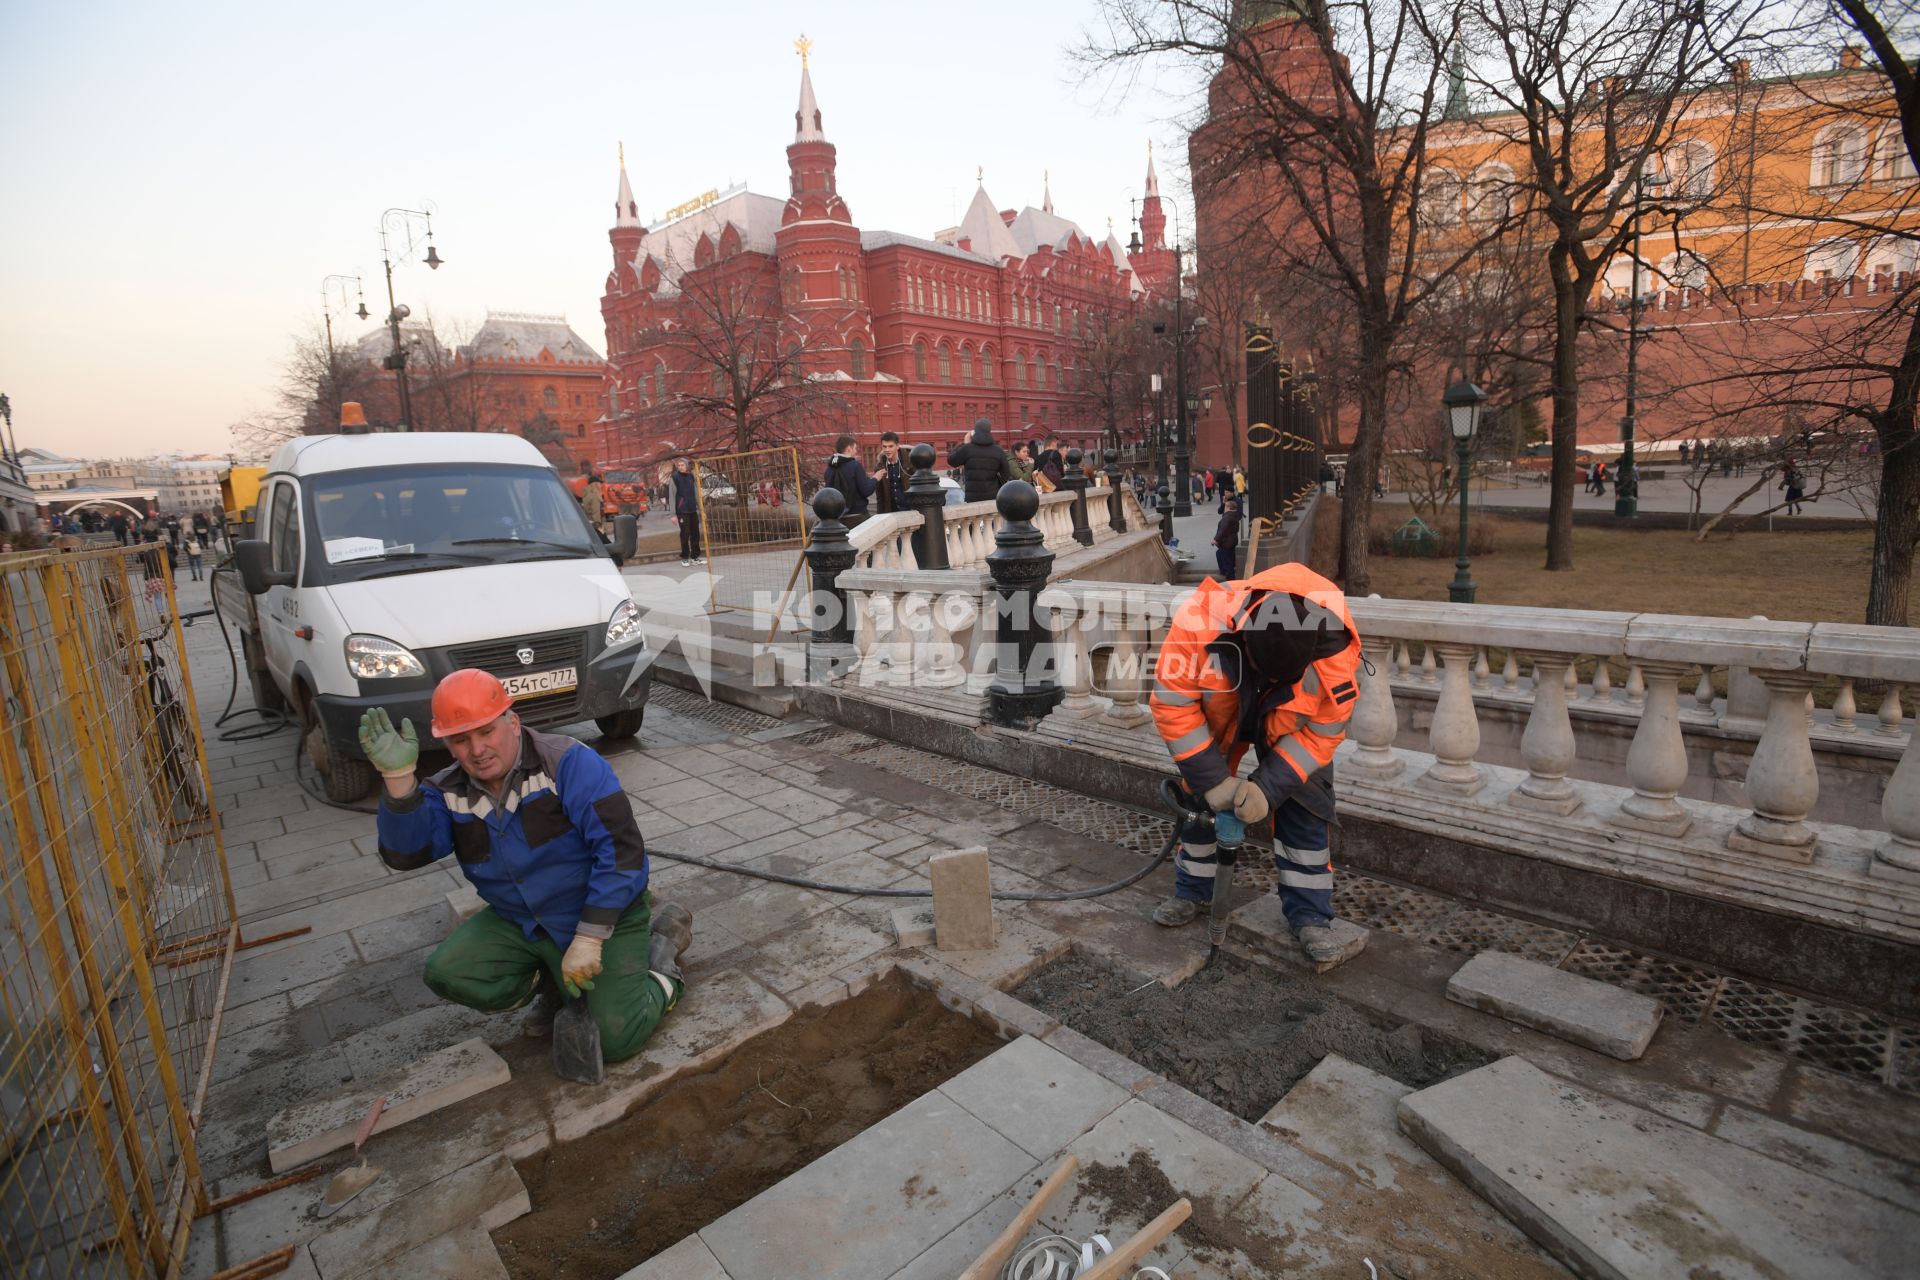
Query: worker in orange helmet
{"points": [[1268, 662], [546, 835]]}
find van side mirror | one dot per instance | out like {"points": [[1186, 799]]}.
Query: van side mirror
{"points": [[626, 538], [253, 557]]}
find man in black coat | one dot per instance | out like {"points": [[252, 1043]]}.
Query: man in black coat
{"points": [[983, 461], [846, 473]]}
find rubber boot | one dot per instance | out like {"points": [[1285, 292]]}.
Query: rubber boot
{"points": [[672, 935], [1175, 912], [546, 1006]]}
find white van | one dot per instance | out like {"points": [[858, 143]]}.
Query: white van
{"points": [[382, 562]]}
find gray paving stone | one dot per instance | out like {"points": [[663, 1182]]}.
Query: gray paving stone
{"points": [[485, 1195], [1102, 1061], [266, 973], [756, 914], [1876, 1175], [233, 1133], [285, 1036], [274, 896], [870, 1206], [236, 829], [463, 1254], [743, 851], [672, 796], [746, 783], [688, 1260], [378, 901], [313, 1127], [813, 950], [397, 1044], [755, 822], [285, 866], [245, 871], [1035, 1096], [1020, 949], [956, 1251], [913, 924], [1597, 1015], [1617, 1192], [640, 771], [799, 805], [836, 822]]}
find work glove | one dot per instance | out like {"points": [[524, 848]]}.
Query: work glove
{"points": [[1250, 803], [580, 964], [1219, 797], [393, 752]]}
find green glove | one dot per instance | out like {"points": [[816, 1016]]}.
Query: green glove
{"points": [[393, 753]]}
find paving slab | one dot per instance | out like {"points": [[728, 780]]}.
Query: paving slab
{"points": [[688, 1260], [962, 900], [1261, 927], [1596, 1015], [316, 1126], [913, 925], [1613, 1191], [1020, 949], [1035, 1096], [395, 1044], [233, 1133], [463, 1254], [485, 1195], [871, 1205], [812, 950]]}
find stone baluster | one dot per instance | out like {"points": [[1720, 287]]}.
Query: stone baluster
{"points": [[1126, 674], [1375, 723], [1547, 746], [925, 496], [1077, 664], [1455, 733], [1075, 482], [1116, 500], [1023, 688], [1844, 707], [947, 615], [866, 637], [1510, 672], [830, 649], [1572, 681], [1890, 713], [1703, 691], [1636, 686], [1429, 670], [1602, 679], [1402, 659], [1657, 758], [1482, 672], [1898, 857], [1782, 781]]}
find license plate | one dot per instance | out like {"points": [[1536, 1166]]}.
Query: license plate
{"points": [[532, 684]]}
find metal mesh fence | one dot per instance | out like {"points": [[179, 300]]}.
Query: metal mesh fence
{"points": [[116, 918], [753, 525]]}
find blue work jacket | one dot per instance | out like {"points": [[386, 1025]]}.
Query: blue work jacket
{"points": [[561, 852]]}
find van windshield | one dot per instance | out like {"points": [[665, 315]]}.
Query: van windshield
{"points": [[404, 519]]}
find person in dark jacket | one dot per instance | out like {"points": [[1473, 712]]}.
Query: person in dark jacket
{"points": [[845, 473], [1226, 538], [1050, 463], [686, 511], [983, 463], [893, 494]]}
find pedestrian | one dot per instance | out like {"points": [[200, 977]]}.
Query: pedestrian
{"points": [[982, 463], [1049, 467], [1327, 477], [1795, 485], [1686, 454], [845, 473], [1020, 465], [1281, 643], [150, 528], [1739, 462], [1206, 482], [686, 510], [593, 499], [893, 489], [1226, 537], [544, 832], [195, 549]]}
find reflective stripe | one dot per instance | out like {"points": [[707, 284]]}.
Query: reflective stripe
{"points": [[1296, 751], [1201, 870], [460, 804], [1168, 697], [1190, 741], [1310, 680], [666, 984], [1328, 728], [1302, 857], [1303, 880]]}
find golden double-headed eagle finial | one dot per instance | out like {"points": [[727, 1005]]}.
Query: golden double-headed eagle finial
{"points": [[803, 44]]}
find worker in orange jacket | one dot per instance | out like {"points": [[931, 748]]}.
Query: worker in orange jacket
{"points": [[1268, 662]]}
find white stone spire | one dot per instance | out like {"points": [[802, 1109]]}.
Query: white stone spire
{"points": [[1046, 191], [625, 212], [806, 120], [1153, 179], [983, 229]]}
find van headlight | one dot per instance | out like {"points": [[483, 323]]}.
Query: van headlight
{"points": [[624, 626], [373, 658]]}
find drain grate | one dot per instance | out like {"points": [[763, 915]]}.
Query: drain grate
{"points": [[683, 702]]}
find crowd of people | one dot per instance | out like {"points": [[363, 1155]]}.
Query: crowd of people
{"points": [[190, 538]]}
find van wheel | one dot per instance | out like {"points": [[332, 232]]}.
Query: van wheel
{"points": [[621, 724], [344, 777]]}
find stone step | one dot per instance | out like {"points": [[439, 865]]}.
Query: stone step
{"points": [[482, 1196], [729, 685], [1594, 1015], [1618, 1193], [309, 1129]]}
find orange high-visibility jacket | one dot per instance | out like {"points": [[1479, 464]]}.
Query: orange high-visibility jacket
{"points": [[1198, 689]]}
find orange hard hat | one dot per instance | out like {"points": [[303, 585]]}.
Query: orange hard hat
{"points": [[467, 699], [352, 415]]}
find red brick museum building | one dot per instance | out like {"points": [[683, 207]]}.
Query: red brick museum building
{"points": [[998, 317]]}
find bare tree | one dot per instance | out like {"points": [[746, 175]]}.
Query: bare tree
{"points": [[1315, 151], [449, 392], [1587, 96], [1114, 377]]}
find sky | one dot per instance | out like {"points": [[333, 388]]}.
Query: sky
{"points": [[180, 178]]}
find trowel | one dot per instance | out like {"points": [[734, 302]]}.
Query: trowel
{"points": [[576, 1044], [351, 1181]]}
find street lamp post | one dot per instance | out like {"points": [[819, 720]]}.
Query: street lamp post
{"points": [[1463, 401], [1626, 481], [400, 222], [1182, 446], [326, 306]]}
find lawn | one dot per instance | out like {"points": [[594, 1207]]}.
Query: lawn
{"points": [[1816, 577]]}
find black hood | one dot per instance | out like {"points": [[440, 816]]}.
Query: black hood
{"points": [[982, 433]]}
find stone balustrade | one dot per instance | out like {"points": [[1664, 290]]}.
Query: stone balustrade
{"points": [[885, 541]]}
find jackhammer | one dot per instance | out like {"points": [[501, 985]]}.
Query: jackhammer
{"points": [[1229, 835]]}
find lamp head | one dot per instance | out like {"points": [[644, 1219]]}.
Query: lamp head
{"points": [[1463, 401], [433, 257], [363, 313]]}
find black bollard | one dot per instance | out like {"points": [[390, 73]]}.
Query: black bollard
{"points": [[829, 554], [925, 495], [1165, 513], [1116, 510], [1024, 687], [1075, 482]]}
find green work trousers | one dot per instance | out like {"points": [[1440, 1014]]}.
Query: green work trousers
{"points": [[489, 964]]}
